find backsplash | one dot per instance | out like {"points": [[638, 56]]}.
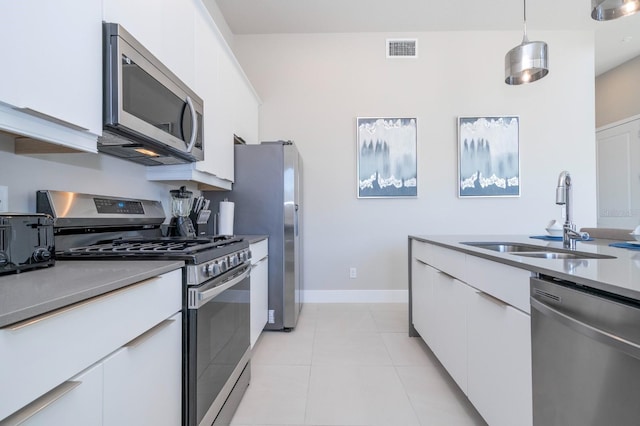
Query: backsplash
{"points": [[78, 172]]}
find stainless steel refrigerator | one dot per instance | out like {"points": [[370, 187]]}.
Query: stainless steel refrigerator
{"points": [[268, 201]]}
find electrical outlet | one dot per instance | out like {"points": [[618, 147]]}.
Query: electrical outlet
{"points": [[4, 198], [353, 273], [271, 316]]}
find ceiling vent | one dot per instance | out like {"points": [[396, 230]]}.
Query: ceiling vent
{"points": [[402, 48]]}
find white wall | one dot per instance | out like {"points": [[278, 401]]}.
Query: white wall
{"points": [[618, 93], [91, 173], [314, 86]]}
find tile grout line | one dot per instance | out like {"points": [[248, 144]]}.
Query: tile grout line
{"points": [[395, 369], [313, 343]]}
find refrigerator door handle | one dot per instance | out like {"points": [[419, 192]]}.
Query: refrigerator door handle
{"points": [[295, 220]]}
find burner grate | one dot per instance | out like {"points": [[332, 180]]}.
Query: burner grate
{"points": [[145, 247]]}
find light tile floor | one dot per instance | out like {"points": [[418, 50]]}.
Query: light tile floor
{"points": [[350, 364]]}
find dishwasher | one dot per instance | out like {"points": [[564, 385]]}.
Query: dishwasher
{"points": [[585, 355]]}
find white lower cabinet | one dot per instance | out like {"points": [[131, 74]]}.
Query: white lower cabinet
{"points": [[76, 402], [499, 361], [483, 342], [259, 288], [132, 337], [422, 299], [146, 370], [450, 325]]}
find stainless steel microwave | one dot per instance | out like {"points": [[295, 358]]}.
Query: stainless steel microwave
{"points": [[150, 116]]}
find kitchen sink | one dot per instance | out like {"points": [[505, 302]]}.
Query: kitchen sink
{"points": [[565, 255], [531, 250], [506, 247]]}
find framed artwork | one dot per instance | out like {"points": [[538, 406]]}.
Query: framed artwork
{"points": [[488, 156], [387, 158]]}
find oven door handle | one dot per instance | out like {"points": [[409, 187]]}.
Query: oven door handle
{"points": [[198, 298]]}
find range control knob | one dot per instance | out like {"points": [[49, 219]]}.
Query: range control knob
{"points": [[213, 269], [233, 260], [41, 255], [224, 265], [243, 256]]}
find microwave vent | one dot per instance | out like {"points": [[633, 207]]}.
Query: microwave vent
{"points": [[402, 48]]}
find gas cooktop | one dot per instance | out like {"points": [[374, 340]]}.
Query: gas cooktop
{"points": [[196, 250]]}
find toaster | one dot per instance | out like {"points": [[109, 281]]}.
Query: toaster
{"points": [[26, 242]]}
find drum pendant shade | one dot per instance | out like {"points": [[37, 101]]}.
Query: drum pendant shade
{"points": [[606, 10], [527, 62]]}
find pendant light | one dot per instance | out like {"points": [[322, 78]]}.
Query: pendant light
{"points": [[528, 61], [605, 10]]}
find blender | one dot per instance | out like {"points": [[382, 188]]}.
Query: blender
{"points": [[181, 225]]}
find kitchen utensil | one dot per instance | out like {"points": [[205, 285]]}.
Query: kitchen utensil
{"points": [[181, 203]]}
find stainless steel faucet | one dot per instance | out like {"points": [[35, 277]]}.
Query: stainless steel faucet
{"points": [[564, 197]]}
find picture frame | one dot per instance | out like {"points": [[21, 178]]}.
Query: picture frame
{"points": [[387, 157], [489, 156]]}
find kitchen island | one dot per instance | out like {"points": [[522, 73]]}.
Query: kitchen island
{"points": [[619, 276], [471, 306]]}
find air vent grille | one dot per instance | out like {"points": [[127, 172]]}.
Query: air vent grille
{"points": [[402, 48], [547, 295]]}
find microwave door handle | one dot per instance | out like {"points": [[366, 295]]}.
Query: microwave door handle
{"points": [[194, 125]]}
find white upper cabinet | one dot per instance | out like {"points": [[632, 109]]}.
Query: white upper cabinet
{"points": [[52, 71], [236, 111], [165, 28], [246, 109], [230, 104], [218, 133]]}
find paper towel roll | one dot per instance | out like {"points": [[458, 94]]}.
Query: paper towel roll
{"points": [[225, 221]]}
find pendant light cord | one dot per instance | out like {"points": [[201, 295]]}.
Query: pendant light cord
{"points": [[524, 38]]}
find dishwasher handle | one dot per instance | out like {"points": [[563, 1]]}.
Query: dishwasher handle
{"points": [[602, 336]]}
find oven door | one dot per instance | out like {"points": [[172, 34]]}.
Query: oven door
{"points": [[217, 343]]}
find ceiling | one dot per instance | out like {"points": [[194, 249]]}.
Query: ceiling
{"points": [[615, 41]]}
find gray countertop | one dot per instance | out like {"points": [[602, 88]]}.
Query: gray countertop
{"points": [[31, 293], [619, 276], [254, 238]]}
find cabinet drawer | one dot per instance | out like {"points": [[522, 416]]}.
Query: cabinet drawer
{"points": [[259, 250], [259, 298], [499, 362], [38, 354], [421, 251], [449, 261], [504, 282], [77, 402], [162, 406]]}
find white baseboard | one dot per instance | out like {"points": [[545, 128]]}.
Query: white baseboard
{"points": [[355, 296]]}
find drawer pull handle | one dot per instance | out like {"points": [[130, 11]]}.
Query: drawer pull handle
{"points": [[447, 275], [39, 404], [263, 260], [137, 341], [492, 299]]}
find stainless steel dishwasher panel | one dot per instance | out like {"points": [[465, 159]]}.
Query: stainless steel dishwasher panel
{"points": [[585, 355]]}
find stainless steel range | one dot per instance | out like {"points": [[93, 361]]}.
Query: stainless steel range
{"points": [[216, 349]]}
